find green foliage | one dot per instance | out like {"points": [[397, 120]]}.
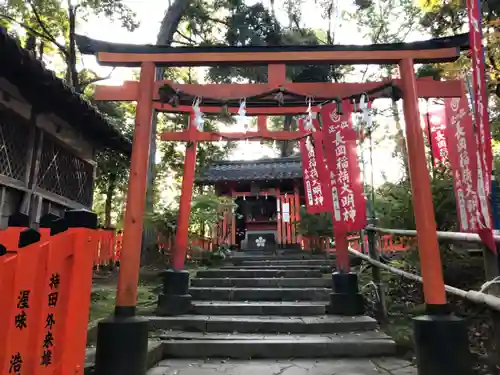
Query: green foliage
{"points": [[394, 207], [206, 211], [50, 27], [112, 170], [314, 225], [442, 18]]}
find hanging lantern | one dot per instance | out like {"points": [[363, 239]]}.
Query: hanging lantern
{"points": [[198, 115]]}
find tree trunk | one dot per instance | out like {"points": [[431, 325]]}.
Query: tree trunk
{"points": [[287, 146], [71, 58], [171, 21], [400, 138], [108, 205]]}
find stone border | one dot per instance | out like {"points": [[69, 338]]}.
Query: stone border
{"points": [[92, 331], [155, 355]]}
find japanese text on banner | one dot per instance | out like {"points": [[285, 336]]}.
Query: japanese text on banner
{"points": [[340, 138], [480, 110], [315, 175], [462, 151], [435, 121]]}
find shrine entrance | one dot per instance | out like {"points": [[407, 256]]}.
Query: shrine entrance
{"points": [[276, 97]]}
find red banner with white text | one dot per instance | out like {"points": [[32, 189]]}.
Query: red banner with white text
{"points": [[480, 111], [435, 122], [462, 147], [315, 174], [340, 140]]}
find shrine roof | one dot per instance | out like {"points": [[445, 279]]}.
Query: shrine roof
{"points": [[43, 89], [221, 55], [287, 168]]}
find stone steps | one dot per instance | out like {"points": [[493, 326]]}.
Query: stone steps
{"points": [[257, 273], [260, 294], [264, 324], [268, 306], [348, 336], [254, 256], [285, 366], [186, 345], [262, 282], [287, 262], [327, 268], [259, 308]]}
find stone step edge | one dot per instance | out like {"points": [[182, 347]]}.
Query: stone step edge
{"points": [[322, 319], [278, 349], [259, 303], [263, 323], [364, 336], [313, 289]]}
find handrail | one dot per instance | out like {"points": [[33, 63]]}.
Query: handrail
{"points": [[453, 236], [471, 295]]}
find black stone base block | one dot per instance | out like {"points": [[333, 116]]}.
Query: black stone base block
{"points": [[442, 345], [175, 299], [122, 346], [346, 299]]}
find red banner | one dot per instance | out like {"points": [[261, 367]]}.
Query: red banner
{"points": [[340, 139], [462, 151], [315, 174], [480, 110], [462, 147], [435, 122]]}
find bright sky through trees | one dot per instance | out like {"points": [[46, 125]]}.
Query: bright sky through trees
{"points": [[150, 13]]}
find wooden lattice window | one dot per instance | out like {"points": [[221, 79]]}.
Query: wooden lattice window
{"points": [[13, 134], [65, 174]]}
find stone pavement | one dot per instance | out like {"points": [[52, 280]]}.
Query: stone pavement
{"points": [[268, 315], [381, 366]]}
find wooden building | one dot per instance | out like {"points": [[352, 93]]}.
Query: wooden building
{"points": [[268, 194], [49, 136]]}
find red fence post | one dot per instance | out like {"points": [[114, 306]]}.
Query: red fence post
{"points": [[19, 313]]}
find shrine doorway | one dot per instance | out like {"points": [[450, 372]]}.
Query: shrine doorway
{"points": [[260, 222]]}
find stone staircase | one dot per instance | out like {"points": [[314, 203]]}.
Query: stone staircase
{"points": [[268, 306]]}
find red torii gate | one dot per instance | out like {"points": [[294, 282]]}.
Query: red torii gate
{"points": [[148, 95]]}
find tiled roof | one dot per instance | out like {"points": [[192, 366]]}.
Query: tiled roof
{"points": [[253, 170], [41, 86]]}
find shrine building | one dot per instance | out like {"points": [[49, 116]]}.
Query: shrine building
{"points": [[268, 194], [49, 137]]}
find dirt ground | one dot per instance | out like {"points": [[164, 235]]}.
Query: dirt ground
{"points": [[103, 294]]}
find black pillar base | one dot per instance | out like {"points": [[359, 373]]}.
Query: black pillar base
{"points": [[175, 298], [441, 344], [346, 299], [122, 346]]}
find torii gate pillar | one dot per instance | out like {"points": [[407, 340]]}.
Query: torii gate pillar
{"points": [[122, 339], [441, 340], [175, 298]]}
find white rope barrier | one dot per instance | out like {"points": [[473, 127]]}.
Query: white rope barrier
{"points": [[451, 236], [471, 295]]}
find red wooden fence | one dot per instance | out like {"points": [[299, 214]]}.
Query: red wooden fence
{"points": [[385, 244], [46, 283], [109, 244]]}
